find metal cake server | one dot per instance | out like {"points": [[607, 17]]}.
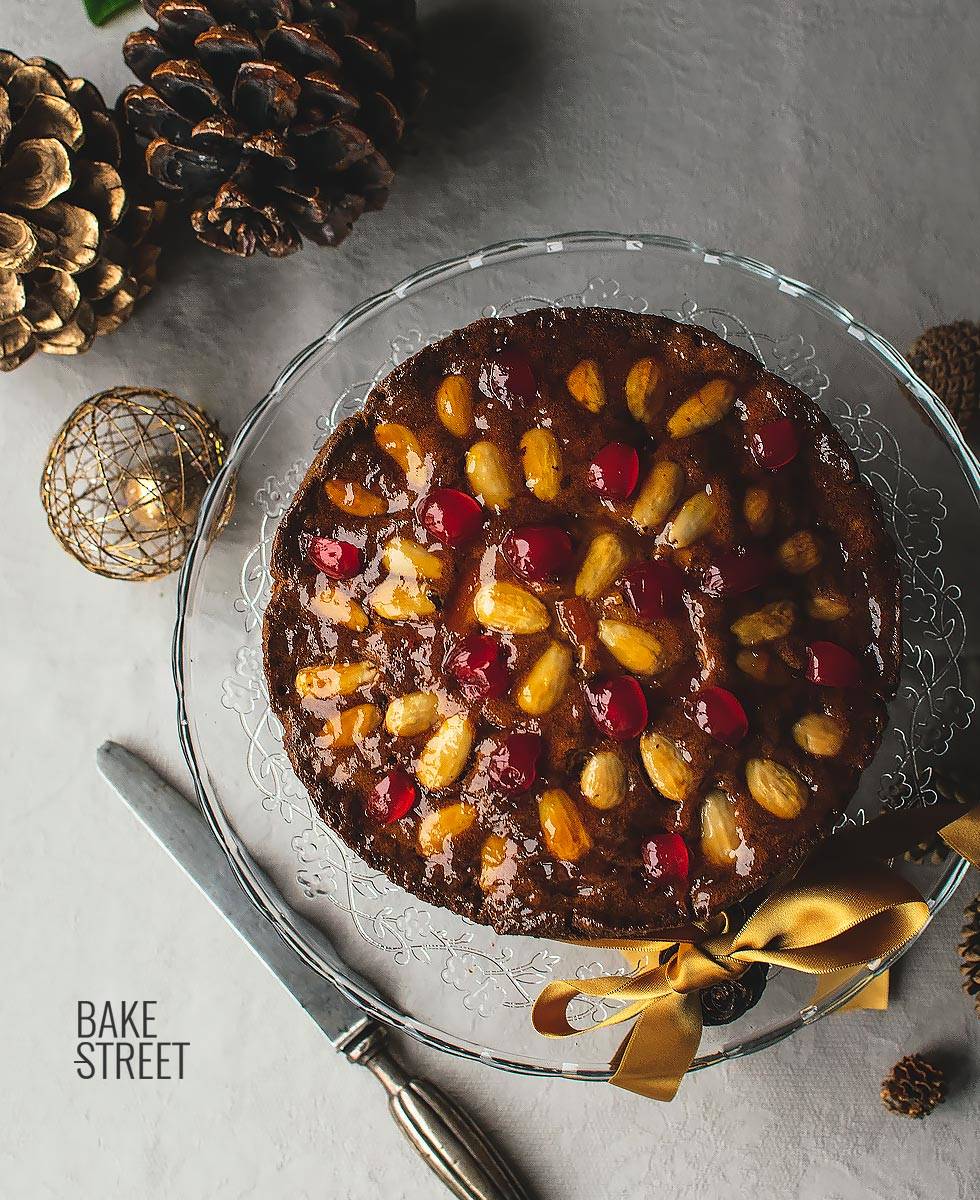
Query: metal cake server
{"points": [[445, 1137]]}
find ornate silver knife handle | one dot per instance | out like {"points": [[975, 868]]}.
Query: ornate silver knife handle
{"points": [[445, 1137]]}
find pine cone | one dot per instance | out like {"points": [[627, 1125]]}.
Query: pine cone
{"points": [[934, 849], [947, 358], [74, 259], [914, 1087], [726, 1002], [969, 951], [273, 119]]}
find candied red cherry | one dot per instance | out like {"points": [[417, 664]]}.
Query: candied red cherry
{"points": [[451, 517], [391, 797], [615, 471], [831, 665], [338, 560], [509, 376], [721, 715], [666, 859], [538, 553], [618, 705], [654, 589], [477, 665], [514, 763], [735, 571], [775, 444]]}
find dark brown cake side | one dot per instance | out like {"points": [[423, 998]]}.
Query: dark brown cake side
{"points": [[612, 854]]}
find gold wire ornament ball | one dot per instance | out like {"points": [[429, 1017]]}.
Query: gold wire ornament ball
{"points": [[124, 480]]}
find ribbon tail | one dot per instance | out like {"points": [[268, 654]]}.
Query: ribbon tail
{"points": [[872, 997], [660, 1048], [963, 835]]}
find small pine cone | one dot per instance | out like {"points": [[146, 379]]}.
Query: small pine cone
{"points": [[947, 358], [969, 951], [934, 849], [726, 1002], [273, 120], [914, 1087], [76, 251]]}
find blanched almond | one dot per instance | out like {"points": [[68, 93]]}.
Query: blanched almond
{"points": [[403, 446], [792, 653], [546, 681], [412, 714], [349, 727], [720, 838], [632, 647], [705, 407], [799, 553], [404, 557], [605, 558], [758, 510], [825, 605], [488, 476], [336, 679], [586, 386], [765, 624], [444, 755], [603, 781], [354, 499], [696, 516], [641, 389], [819, 734], [454, 404], [776, 788], [658, 495], [442, 825], [758, 665], [493, 855], [400, 600], [541, 458], [670, 772], [564, 834], [510, 608], [333, 604]]}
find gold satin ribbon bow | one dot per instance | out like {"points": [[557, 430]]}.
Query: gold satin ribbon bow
{"points": [[845, 908]]}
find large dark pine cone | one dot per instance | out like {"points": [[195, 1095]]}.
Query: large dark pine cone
{"points": [[914, 1087], [969, 951], [274, 119], [75, 256], [947, 357]]}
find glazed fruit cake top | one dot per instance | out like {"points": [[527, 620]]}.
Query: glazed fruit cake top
{"points": [[585, 625]]}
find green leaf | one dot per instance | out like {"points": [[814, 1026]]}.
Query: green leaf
{"points": [[99, 11]]}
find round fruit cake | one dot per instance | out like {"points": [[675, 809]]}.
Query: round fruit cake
{"points": [[585, 625]]}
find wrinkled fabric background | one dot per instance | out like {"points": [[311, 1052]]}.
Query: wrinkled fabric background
{"points": [[836, 141]]}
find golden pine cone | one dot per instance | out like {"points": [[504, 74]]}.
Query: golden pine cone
{"points": [[75, 256], [914, 1087], [947, 358], [969, 951], [273, 120]]}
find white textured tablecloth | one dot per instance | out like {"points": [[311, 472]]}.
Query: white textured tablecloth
{"points": [[835, 140]]}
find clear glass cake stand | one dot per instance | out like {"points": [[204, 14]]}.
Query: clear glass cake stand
{"points": [[446, 981]]}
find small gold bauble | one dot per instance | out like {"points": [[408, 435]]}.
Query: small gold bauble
{"points": [[124, 480]]}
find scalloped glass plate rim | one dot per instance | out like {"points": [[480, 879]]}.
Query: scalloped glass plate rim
{"points": [[304, 938]]}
